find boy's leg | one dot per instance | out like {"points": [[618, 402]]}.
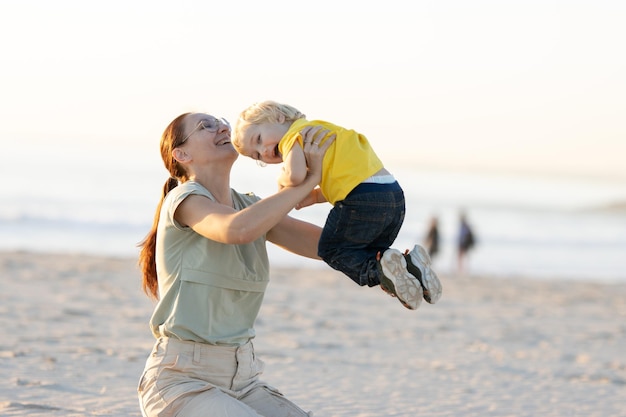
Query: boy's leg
{"points": [[397, 281], [356, 240], [341, 251], [359, 227], [418, 264]]}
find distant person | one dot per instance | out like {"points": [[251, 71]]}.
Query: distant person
{"points": [[368, 203], [466, 242], [431, 242]]}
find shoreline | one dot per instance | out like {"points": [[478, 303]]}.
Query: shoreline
{"points": [[77, 338]]}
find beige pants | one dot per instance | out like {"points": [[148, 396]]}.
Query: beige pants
{"points": [[189, 379]]}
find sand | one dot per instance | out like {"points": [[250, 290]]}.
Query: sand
{"points": [[75, 338]]}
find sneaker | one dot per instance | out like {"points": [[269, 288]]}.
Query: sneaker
{"points": [[418, 264], [397, 281]]}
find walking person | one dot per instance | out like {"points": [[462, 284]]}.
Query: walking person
{"points": [[431, 241], [465, 243]]}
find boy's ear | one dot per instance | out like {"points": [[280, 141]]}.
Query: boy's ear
{"points": [[281, 118], [180, 155]]}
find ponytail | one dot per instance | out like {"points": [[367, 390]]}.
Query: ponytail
{"points": [[147, 256], [172, 137]]}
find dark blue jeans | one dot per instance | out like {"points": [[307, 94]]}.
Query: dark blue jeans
{"points": [[366, 222]]}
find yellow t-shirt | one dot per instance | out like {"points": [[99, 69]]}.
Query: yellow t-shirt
{"points": [[348, 161], [210, 292]]}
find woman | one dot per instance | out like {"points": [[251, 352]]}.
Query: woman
{"points": [[205, 261]]}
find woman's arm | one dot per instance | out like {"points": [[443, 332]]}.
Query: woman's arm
{"points": [[296, 236], [223, 224]]}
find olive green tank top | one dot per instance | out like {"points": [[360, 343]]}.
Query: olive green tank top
{"points": [[209, 291]]}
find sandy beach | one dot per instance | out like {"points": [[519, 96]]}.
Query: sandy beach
{"points": [[75, 338]]}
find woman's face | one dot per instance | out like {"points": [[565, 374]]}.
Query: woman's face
{"points": [[261, 142], [206, 134]]}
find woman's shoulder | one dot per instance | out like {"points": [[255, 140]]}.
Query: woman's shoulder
{"points": [[184, 190]]}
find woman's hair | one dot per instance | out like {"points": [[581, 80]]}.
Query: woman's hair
{"points": [[172, 138], [264, 112]]}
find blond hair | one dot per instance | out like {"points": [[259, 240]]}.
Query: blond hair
{"points": [[263, 112]]}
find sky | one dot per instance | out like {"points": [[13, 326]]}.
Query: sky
{"points": [[536, 87]]}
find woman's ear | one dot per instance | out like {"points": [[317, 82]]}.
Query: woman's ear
{"points": [[180, 155]]}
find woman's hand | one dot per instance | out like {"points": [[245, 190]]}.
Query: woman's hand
{"points": [[314, 155], [313, 151]]}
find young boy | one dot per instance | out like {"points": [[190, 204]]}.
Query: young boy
{"points": [[368, 203]]}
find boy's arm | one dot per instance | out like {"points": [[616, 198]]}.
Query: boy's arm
{"points": [[294, 167]]}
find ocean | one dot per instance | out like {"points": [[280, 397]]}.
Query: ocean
{"points": [[99, 201]]}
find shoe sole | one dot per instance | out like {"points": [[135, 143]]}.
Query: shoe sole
{"points": [[418, 264], [397, 279]]}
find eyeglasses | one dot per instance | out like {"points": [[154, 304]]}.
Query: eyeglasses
{"points": [[211, 124]]}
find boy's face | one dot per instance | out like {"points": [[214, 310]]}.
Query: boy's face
{"points": [[260, 142]]}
